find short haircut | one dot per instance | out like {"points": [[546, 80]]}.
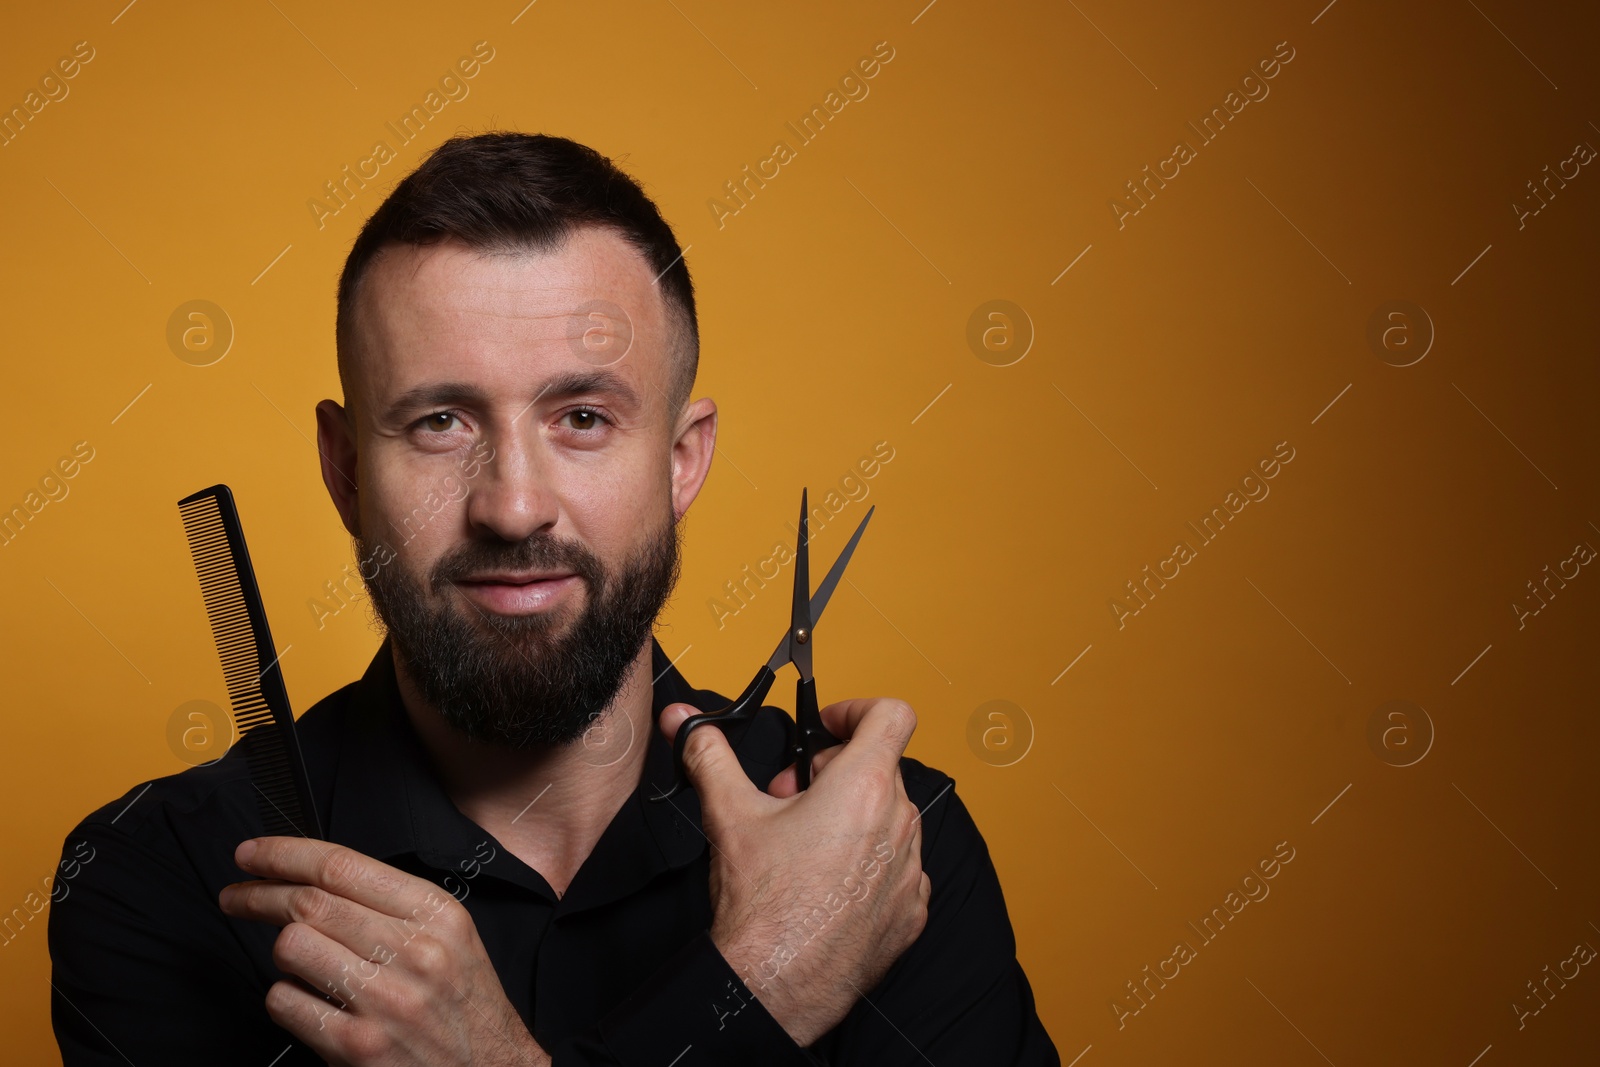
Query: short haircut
{"points": [[505, 192]]}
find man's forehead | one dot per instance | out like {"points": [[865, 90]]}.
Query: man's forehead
{"points": [[590, 301]]}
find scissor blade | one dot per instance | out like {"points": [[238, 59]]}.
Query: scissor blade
{"points": [[780, 656], [819, 599], [800, 617], [800, 621], [800, 608]]}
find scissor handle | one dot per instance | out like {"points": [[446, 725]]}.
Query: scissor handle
{"points": [[742, 710], [810, 736]]}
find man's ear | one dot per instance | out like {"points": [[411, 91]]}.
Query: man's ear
{"points": [[336, 447], [692, 448]]}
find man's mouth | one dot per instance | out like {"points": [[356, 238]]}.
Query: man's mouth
{"points": [[519, 593]]}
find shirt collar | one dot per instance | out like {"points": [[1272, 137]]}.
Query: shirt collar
{"points": [[387, 801]]}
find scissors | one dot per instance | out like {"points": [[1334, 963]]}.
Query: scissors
{"points": [[808, 736]]}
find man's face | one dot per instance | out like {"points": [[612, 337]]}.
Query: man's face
{"points": [[519, 473]]}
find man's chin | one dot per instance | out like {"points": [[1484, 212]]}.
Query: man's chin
{"points": [[525, 637]]}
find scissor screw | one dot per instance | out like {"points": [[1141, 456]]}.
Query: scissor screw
{"points": [[802, 635]]}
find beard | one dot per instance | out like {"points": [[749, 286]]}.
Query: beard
{"points": [[519, 681]]}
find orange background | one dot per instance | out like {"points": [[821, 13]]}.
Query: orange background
{"points": [[1231, 714]]}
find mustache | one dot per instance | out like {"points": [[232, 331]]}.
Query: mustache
{"points": [[541, 551]]}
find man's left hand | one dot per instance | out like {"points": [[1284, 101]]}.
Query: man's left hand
{"points": [[393, 970]]}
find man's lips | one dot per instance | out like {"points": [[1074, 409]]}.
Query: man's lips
{"points": [[511, 593], [516, 577]]}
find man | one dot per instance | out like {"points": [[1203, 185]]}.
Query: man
{"points": [[517, 345]]}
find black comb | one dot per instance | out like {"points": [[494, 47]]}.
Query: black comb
{"points": [[249, 662]]}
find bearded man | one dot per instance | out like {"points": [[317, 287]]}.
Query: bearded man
{"points": [[516, 450]]}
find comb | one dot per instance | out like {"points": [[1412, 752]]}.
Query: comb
{"points": [[249, 662]]}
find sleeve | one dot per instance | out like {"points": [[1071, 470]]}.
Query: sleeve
{"points": [[144, 968], [958, 994], [694, 1011]]}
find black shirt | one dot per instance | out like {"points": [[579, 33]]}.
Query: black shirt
{"points": [[620, 969]]}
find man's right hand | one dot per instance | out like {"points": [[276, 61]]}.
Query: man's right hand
{"points": [[814, 894]]}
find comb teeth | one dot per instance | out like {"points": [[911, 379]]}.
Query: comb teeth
{"points": [[226, 609], [238, 626]]}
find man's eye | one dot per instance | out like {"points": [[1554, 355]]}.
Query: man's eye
{"points": [[439, 421], [584, 419]]}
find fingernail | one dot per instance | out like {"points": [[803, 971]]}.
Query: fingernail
{"points": [[244, 853], [225, 896]]}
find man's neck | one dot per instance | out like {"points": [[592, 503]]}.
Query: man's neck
{"points": [[550, 804]]}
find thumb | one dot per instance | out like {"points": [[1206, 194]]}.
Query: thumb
{"points": [[713, 769], [673, 716]]}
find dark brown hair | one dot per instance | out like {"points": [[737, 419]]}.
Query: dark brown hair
{"points": [[511, 192]]}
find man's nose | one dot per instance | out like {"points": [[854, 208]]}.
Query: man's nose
{"points": [[511, 497]]}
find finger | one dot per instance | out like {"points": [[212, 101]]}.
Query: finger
{"points": [[840, 717], [881, 717], [338, 870], [877, 730], [318, 1021], [672, 717], [714, 771], [823, 758], [356, 927], [324, 965], [784, 783]]}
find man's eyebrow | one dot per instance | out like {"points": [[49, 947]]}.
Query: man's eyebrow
{"points": [[436, 395], [578, 383]]}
